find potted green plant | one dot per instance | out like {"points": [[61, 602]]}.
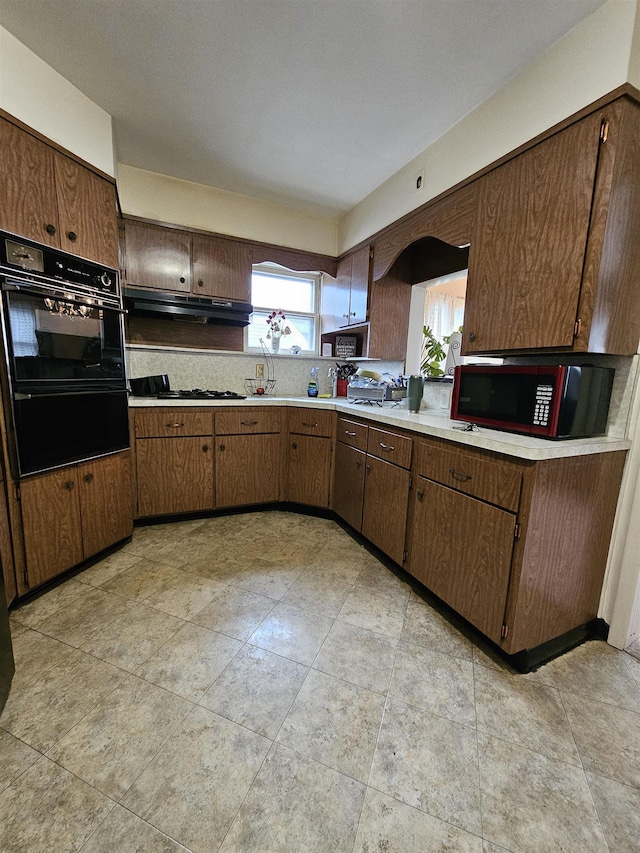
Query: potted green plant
{"points": [[432, 355]]}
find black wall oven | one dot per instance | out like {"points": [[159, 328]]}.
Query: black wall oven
{"points": [[65, 384]]}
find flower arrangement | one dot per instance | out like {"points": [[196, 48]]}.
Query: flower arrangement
{"points": [[277, 328]]}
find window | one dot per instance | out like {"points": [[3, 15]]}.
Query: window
{"points": [[297, 295]]}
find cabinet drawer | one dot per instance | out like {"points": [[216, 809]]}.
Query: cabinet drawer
{"points": [[390, 446], [353, 433], [247, 421], [164, 423], [311, 421], [487, 479]]}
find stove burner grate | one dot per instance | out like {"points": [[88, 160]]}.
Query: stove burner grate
{"points": [[199, 394]]}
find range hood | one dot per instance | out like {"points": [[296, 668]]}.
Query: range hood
{"points": [[194, 309]]}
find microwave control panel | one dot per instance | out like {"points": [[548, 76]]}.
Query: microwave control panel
{"points": [[542, 406]]}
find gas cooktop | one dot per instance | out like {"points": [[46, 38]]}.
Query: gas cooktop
{"points": [[198, 393]]}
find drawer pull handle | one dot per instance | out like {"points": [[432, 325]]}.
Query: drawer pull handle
{"points": [[348, 432], [420, 494], [248, 423], [458, 476], [69, 485], [386, 447], [175, 426], [88, 478], [309, 425]]}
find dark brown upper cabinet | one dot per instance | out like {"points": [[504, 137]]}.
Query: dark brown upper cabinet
{"points": [[221, 268], [53, 199], [157, 257], [555, 249]]}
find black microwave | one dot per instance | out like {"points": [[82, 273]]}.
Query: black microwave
{"points": [[549, 401]]}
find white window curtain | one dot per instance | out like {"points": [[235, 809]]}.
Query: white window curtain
{"points": [[443, 312]]}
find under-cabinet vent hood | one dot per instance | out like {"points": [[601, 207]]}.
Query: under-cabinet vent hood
{"points": [[170, 306]]}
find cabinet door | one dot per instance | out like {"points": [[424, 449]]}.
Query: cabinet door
{"points": [[529, 242], [461, 550], [386, 498], [248, 469], [27, 186], [105, 502], [157, 257], [221, 268], [360, 278], [87, 211], [51, 524], [174, 475], [309, 469], [348, 486], [335, 297]]}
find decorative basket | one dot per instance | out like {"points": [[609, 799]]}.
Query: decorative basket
{"points": [[259, 387]]}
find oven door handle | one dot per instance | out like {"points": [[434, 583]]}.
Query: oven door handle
{"points": [[20, 395], [99, 301]]}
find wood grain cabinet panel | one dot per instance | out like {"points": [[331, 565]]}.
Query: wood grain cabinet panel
{"points": [[157, 257], [166, 423], [248, 469], [309, 470], [345, 297], [221, 268], [390, 446], [386, 499], [348, 487], [309, 421], [248, 421], [461, 550], [105, 502], [51, 524], [352, 432], [174, 475]]}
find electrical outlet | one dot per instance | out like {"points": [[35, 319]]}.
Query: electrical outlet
{"points": [[418, 181], [259, 371]]}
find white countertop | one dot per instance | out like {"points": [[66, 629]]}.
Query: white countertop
{"points": [[433, 422]]}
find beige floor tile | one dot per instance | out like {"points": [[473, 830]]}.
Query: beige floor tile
{"points": [[608, 738], [61, 596], [618, 808], [296, 804], [483, 655], [268, 579], [141, 580], [124, 832], [40, 711], [600, 672], [425, 627], [335, 723], [376, 576], [291, 632], [359, 656], [223, 564], [130, 639], [147, 540], [374, 610], [437, 683], [339, 560], [16, 627], [528, 714], [194, 786], [318, 594], [48, 809], [532, 803], [180, 552], [85, 617], [430, 763], [189, 662], [235, 612], [15, 758], [256, 690], [111, 746], [34, 653], [185, 596], [108, 568], [393, 827]]}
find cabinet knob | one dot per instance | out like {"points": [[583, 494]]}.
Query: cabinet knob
{"points": [[88, 478], [353, 314], [368, 468], [420, 494], [472, 336], [358, 463], [182, 279], [346, 316], [50, 229], [205, 448], [222, 447], [72, 236], [200, 283], [294, 446], [69, 485]]}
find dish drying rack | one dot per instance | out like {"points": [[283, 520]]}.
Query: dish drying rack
{"points": [[263, 385]]}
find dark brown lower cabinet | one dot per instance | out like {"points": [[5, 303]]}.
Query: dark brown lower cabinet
{"points": [[174, 475], [248, 469], [386, 498], [309, 469], [461, 550], [71, 514], [348, 487]]}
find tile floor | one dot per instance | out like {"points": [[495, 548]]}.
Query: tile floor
{"points": [[263, 683]]}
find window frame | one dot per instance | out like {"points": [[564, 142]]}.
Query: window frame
{"points": [[267, 268]]}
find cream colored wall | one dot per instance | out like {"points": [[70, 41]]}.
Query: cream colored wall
{"points": [[181, 202], [633, 75], [33, 92], [588, 62]]}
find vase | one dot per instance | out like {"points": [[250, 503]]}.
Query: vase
{"points": [[275, 344]]}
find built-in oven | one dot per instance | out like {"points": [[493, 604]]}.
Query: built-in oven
{"points": [[64, 385]]}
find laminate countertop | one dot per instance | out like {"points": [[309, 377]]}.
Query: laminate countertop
{"points": [[431, 422]]}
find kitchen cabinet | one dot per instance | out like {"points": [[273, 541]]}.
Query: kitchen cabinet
{"points": [[386, 498], [70, 514], [221, 268], [174, 461], [156, 257], [309, 469], [248, 457], [7, 566], [53, 199], [553, 260], [348, 488], [344, 299]]}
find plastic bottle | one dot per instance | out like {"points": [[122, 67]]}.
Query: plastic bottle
{"points": [[312, 388]]}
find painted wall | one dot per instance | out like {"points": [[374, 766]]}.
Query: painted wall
{"points": [[588, 62], [33, 92], [181, 202]]}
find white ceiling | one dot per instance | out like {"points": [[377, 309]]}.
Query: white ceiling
{"points": [[311, 103]]}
